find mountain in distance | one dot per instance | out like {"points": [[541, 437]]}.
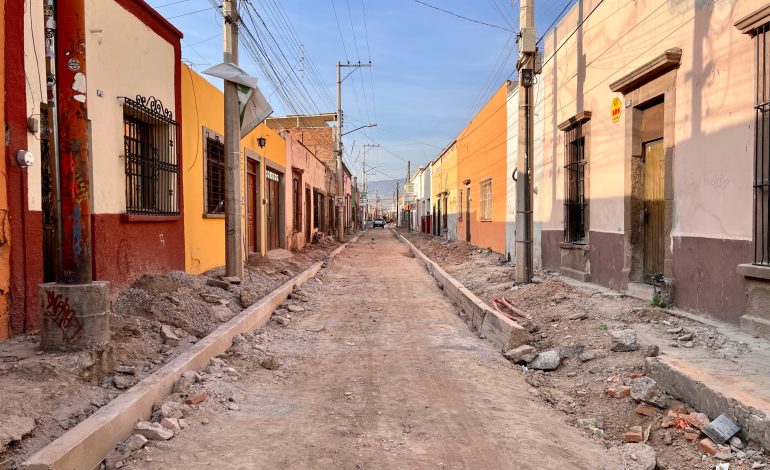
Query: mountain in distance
{"points": [[385, 188]]}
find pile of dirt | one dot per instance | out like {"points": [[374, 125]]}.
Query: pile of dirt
{"points": [[586, 374], [151, 322]]}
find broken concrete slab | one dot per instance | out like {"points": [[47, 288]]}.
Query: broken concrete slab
{"points": [[635, 456], [624, 340], [14, 428], [153, 431], [168, 335], [524, 353], [646, 390], [546, 360]]}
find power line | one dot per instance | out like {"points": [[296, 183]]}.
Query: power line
{"points": [[464, 17], [171, 3], [188, 13], [555, 20]]}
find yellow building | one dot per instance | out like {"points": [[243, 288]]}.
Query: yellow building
{"points": [[444, 192], [262, 185]]}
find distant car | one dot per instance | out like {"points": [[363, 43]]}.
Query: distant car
{"points": [[378, 223]]}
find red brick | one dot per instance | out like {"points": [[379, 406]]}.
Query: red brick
{"points": [[619, 392], [708, 446], [691, 436], [646, 410], [634, 376], [197, 398], [635, 434]]}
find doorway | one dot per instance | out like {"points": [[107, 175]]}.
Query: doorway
{"points": [[654, 179], [308, 215], [252, 198], [272, 188], [468, 214]]}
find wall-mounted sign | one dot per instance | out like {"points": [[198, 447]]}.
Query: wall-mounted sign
{"points": [[616, 108]]}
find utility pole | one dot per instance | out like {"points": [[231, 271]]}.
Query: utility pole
{"points": [[233, 203], [398, 212], [408, 204], [524, 164], [363, 167], [338, 150]]}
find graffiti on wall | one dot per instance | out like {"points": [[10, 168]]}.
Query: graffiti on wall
{"points": [[58, 310]]}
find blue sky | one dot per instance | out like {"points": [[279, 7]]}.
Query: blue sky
{"points": [[430, 73]]}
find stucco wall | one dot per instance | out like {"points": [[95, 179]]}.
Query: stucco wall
{"points": [[313, 176], [5, 252], [481, 154]]}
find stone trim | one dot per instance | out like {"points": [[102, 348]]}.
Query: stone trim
{"points": [[576, 119], [653, 69], [749, 23], [753, 270]]}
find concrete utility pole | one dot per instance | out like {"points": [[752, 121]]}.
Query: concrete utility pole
{"points": [[363, 168], [233, 203], [524, 164], [74, 310], [408, 204], [338, 150]]}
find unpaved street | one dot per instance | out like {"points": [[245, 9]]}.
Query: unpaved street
{"points": [[377, 372]]}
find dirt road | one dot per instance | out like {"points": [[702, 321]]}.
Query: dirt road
{"points": [[378, 372]]}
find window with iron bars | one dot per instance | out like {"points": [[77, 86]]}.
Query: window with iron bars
{"points": [[215, 174], [297, 193], [485, 210], [762, 149], [152, 170], [574, 181]]}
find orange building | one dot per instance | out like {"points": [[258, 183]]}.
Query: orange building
{"points": [[481, 175]]}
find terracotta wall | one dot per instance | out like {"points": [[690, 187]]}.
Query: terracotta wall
{"points": [[5, 247]]}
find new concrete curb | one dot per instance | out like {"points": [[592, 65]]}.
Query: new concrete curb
{"points": [[503, 332], [85, 445]]}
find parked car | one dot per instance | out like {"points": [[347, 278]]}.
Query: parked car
{"points": [[378, 223]]}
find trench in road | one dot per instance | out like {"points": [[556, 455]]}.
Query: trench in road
{"points": [[379, 372]]}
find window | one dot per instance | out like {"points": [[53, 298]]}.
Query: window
{"points": [[296, 188], [485, 211], [152, 170], [215, 174], [574, 181], [762, 149]]}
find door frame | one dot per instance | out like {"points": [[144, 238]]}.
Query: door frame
{"points": [[257, 200], [251, 155], [281, 171], [646, 254]]}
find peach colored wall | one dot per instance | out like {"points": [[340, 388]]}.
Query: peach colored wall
{"points": [[713, 160], [481, 154], [314, 175]]}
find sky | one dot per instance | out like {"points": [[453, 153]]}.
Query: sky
{"points": [[430, 71]]}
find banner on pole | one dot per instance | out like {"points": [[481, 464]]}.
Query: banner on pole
{"points": [[253, 106]]}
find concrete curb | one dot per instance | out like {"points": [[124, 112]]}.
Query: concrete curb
{"points": [[85, 445], [503, 332]]}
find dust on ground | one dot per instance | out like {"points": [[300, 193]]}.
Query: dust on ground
{"points": [[43, 394], [576, 321]]}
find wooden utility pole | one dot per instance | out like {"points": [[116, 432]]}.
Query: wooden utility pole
{"points": [[233, 203], [524, 164]]}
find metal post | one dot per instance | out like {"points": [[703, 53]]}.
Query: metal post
{"points": [[524, 170], [74, 151], [233, 202]]}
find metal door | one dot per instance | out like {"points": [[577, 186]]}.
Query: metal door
{"points": [[654, 169], [251, 189]]}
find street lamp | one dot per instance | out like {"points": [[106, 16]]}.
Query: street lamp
{"points": [[359, 128]]}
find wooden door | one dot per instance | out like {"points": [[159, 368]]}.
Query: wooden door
{"points": [[468, 214], [654, 171], [273, 215], [251, 200]]}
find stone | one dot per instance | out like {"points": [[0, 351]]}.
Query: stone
{"points": [[197, 398], [685, 337], [153, 431], [634, 434], [123, 382], [218, 284], [135, 442], [691, 436], [708, 446], [231, 279], [675, 330], [212, 299], [724, 456], [221, 313], [170, 423], [233, 407], [578, 316], [624, 340], [571, 351], [668, 439], [130, 370], [14, 428], [191, 375], [295, 308], [168, 335], [182, 423], [697, 420], [182, 385], [646, 410], [283, 321], [522, 354], [546, 360], [114, 459], [651, 350], [646, 390], [736, 442], [635, 456], [591, 354], [271, 363], [171, 409], [688, 344]]}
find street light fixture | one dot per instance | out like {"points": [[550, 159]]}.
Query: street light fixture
{"points": [[359, 128]]}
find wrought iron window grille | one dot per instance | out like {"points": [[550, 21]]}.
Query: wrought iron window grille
{"points": [[761, 184], [574, 185], [215, 174], [151, 157]]}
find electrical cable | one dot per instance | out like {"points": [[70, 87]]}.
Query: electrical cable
{"points": [[464, 17]]}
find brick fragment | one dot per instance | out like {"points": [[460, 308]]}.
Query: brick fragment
{"points": [[708, 446], [197, 398], [635, 434], [646, 410], [619, 392], [691, 436]]}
